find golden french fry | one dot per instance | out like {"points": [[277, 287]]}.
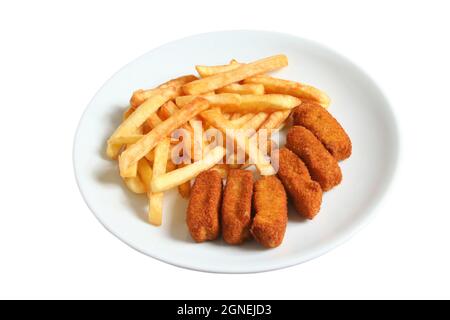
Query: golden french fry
{"points": [[216, 101], [128, 112], [217, 120], [255, 122], [266, 103], [139, 116], [299, 90], [240, 121], [235, 116], [159, 169], [197, 142], [135, 185], [138, 150], [220, 80], [150, 156], [145, 173], [170, 166], [227, 116], [250, 88], [167, 110], [153, 120], [207, 71], [275, 119], [131, 171], [134, 182], [113, 150], [133, 138], [188, 172], [140, 96], [184, 189], [232, 102]]}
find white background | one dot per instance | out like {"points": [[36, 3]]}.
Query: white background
{"points": [[55, 55]]}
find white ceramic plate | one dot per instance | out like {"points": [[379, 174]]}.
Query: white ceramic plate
{"points": [[357, 103]]}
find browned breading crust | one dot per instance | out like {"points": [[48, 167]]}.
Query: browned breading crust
{"points": [[270, 204], [237, 206], [322, 166], [325, 127], [203, 209], [305, 193]]}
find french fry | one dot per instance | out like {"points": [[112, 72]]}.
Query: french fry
{"points": [[167, 110], [255, 122], [273, 122], [216, 101], [250, 88], [188, 172], [128, 112], [184, 189], [139, 116], [128, 172], [227, 116], [248, 145], [130, 139], [235, 116], [150, 156], [232, 102], [135, 185], [159, 168], [170, 166], [207, 71], [275, 119], [153, 120], [239, 122], [197, 144], [299, 90], [140, 96], [216, 119], [220, 80], [145, 173], [266, 103], [138, 150]]}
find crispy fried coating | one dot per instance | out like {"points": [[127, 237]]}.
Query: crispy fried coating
{"points": [[270, 205], [325, 127], [305, 193], [203, 209], [237, 206], [322, 166]]}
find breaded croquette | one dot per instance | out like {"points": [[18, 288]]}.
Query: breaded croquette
{"points": [[325, 127], [237, 206], [304, 192], [270, 204], [203, 209], [322, 166]]}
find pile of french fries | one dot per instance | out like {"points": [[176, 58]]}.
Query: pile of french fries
{"points": [[233, 96]]}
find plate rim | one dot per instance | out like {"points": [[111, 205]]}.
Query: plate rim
{"points": [[341, 239]]}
